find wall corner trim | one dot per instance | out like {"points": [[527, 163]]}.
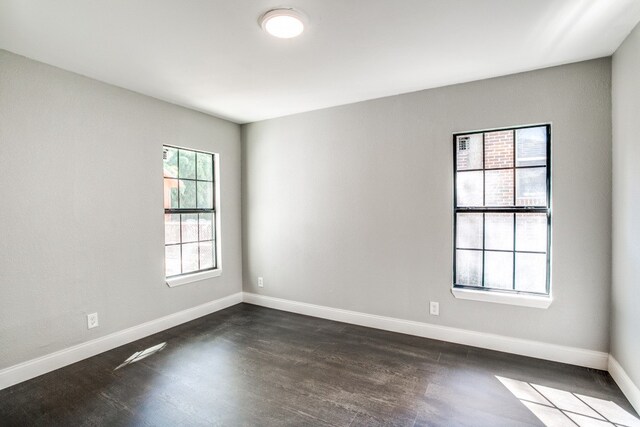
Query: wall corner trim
{"points": [[536, 349], [630, 390], [47, 363]]}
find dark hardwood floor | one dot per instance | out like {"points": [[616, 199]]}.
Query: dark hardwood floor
{"points": [[249, 365]]}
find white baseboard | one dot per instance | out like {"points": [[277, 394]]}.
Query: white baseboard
{"points": [[540, 350], [630, 390], [575, 356], [41, 365]]}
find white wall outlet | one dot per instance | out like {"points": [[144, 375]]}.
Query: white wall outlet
{"points": [[260, 282], [434, 308], [92, 320]]}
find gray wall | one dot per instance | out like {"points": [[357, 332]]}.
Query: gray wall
{"points": [[625, 304], [82, 209], [351, 207]]}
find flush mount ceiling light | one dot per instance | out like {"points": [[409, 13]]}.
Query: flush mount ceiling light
{"points": [[283, 23]]}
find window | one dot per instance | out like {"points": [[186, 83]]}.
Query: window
{"points": [[189, 212], [502, 216]]}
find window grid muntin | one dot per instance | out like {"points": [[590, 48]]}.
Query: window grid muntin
{"points": [[515, 209], [185, 211], [484, 217]]}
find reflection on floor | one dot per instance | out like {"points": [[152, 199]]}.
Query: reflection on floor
{"points": [[139, 355], [253, 366], [559, 408]]}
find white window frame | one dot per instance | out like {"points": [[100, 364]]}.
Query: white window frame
{"points": [[197, 276], [542, 301]]}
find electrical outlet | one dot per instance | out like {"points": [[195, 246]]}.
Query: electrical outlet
{"points": [[434, 308], [92, 320], [260, 282]]}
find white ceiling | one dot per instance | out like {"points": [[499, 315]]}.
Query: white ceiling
{"points": [[211, 55]]}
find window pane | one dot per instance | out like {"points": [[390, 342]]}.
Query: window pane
{"points": [[172, 260], [170, 158], [189, 228], [531, 272], [206, 226], [189, 257], [499, 188], [469, 191], [187, 194], [531, 146], [187, 164], [499, 231], [469, 268], [469, 151], [531, 187], [498, 270], [501, 249], [205, 166], [206, 255], [469, 230], [189, 237], [171, 229], [170, 193], [498, 149], [205, 194], [531, 232]]}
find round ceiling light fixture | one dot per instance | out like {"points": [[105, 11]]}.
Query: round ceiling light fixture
{"points": [[283, 23]]}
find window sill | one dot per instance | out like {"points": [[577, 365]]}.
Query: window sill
{"points": [[195, 277], [503, 298]]}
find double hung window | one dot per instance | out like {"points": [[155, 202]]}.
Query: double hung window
{"points": [[189, 211], [502, 215]]}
